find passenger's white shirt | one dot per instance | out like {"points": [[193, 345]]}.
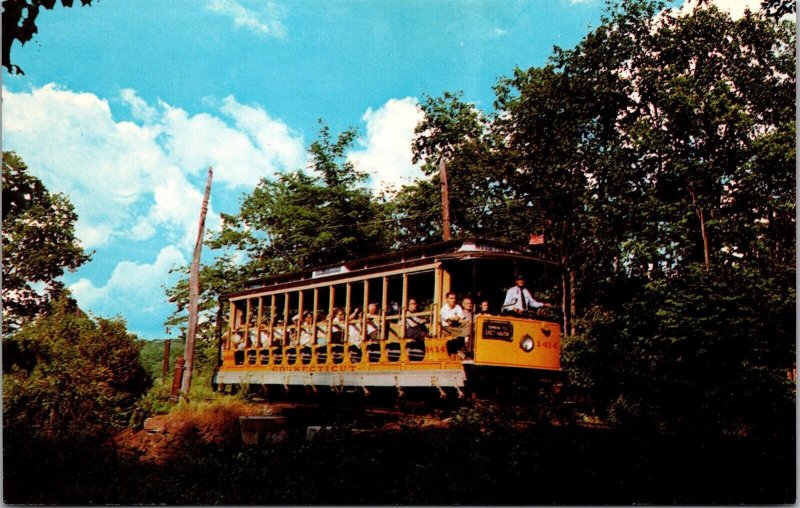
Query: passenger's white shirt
{"points": [[305, 335], [237, 340], [448, 312], [277, 333], [514, 297]]}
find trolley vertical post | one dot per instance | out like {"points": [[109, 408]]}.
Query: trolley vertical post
{"points": [[384, 304], [346, 331], [285, 318], [247, 316], [404, 306]]}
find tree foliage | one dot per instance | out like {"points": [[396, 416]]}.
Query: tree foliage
{"points": [[307, 218], [693, 326], [19, 24], [66, 375], [658, 158], [301, 219], [39, 243]]}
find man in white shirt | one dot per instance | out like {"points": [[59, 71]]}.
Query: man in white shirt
{"points": [[452, 315], [519, 299]]}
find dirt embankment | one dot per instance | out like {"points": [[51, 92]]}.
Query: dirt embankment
{"points": [[165, 436]]}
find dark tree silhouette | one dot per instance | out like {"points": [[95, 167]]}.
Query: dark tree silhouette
{"points": [[19, 24]]}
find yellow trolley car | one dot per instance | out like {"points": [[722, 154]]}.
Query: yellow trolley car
{"points": [[348, 325]]}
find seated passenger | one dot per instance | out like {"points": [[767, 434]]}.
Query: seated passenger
{"points": [[416, 326], [306, 330], [237, 340], [373, 332], [469, 319], [295, 330], [263, 337], [321, 336], [337, 326], [484, 309], [354, 329], [277, 334], [373, 313], [452, 316], [354, 338], [518, 298]]}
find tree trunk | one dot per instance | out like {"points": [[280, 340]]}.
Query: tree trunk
{"points": [[706, 253], [194, 291], [573, 301], [566, 301], [702, 216]]}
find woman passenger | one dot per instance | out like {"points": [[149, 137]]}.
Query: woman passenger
{"points": [[337, 326], [306, 332]]}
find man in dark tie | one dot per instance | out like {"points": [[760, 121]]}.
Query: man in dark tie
{"points": [[519, 299]]}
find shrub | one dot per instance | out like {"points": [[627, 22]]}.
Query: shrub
{"points": [[68, 375]]}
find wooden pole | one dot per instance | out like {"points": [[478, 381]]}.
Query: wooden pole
{"points": [[165, 366], [445, 201], [194, 291]]}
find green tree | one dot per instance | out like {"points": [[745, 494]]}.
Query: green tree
{"points": [[305, 219], [658, 158], [706, 185], [66, 375], [698, 353], [299, 220], [38, 243], [459, 134], [222, 276], [701, 111], [19, 24], [417, 213]]}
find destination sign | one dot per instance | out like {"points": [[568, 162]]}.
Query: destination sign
{"points": [[498, 330]]}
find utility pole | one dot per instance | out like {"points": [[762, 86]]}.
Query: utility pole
{"points": [[165, 366], [194, 291], [445, 200]]}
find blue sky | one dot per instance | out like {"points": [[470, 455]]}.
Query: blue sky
{"points": [[125, 104]]}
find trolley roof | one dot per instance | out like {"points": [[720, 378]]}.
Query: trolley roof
{"points": [[473, 248]]}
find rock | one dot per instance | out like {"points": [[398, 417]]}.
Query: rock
{"points": [[155, 425]]}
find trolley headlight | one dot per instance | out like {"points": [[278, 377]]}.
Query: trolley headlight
{"points": [[526, 343]]}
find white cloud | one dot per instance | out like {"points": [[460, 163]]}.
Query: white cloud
{"points": [[134, 290], [93, 235], [386, 153], [135, 181], [257, 146], [71, 141], [140, 109], [261, 19], [142, 230], [137, 185], [283, 146]]}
